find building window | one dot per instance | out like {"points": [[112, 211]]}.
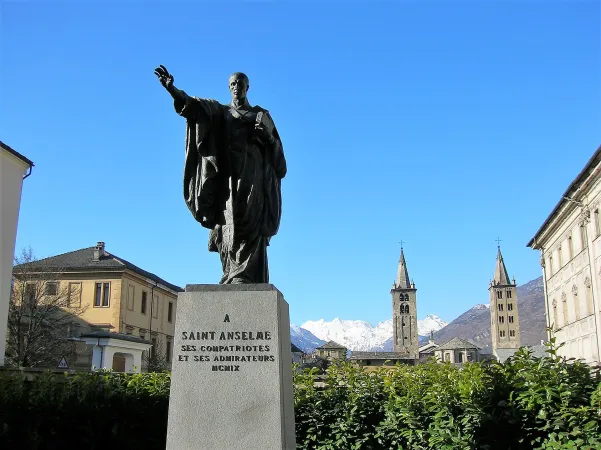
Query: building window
{"points": [[143, 308], [501, 319], [500, 306], [447, 356], [589, 301], [597, 224], [583, 236], [502, 333], [510, 319], [499, 294], [508, 294], [74, 295], [30, 296], [170, 312], [511, 333], [509, 306], [51, 288], [570, 248], [101, 299], [168, 351], [130, 296], [155, 307]]}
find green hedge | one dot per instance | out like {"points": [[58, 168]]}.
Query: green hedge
{"points": [[522, 404]]}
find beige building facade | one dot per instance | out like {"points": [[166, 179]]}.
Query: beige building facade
{"points": [[570, 244], [457, 351], [14, 168], [331, 350], [113, 295]]}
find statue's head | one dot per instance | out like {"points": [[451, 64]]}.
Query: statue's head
{"points": [[239, 85]]}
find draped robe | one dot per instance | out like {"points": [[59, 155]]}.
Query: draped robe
{"points": [[232, 184]]}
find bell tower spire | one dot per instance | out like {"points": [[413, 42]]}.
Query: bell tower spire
{"points": [[404, 312], [504, 320]]}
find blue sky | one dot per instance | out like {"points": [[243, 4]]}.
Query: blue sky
{"points": [[445, 124]]}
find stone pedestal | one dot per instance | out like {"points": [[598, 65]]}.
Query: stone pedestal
{"points": [[231, 385]]}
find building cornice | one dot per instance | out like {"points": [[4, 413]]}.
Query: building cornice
{"points": [[569, 201], [16, 154]]}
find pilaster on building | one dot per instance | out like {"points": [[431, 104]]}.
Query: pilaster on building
{"points": [[404, 312], [504, 320]]}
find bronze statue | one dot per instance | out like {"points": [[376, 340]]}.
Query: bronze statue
{"points": [[233, 169]]}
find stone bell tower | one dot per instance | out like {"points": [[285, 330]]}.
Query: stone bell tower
{"points": [[404, 313], [504, 321]]}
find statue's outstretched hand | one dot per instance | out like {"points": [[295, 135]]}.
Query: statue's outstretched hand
{"points": [[165, 77]]}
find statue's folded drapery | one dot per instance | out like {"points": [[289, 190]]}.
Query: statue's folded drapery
{"points": [[232, 184]]}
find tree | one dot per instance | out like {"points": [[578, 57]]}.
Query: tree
{"points": [[156, 358], [40, 315]]}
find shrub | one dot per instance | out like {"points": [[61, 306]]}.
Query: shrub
{"points": [[525, 403]]}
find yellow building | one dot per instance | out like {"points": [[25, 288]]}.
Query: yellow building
{"points": [[115, 296]]}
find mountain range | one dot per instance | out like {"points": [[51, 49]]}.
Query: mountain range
{"points": [[473, 325]]}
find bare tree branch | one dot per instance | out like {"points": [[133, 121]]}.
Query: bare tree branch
{"points": [[40, 314]]}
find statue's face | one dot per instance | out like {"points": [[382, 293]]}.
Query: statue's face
{"points": [[238, 87]]}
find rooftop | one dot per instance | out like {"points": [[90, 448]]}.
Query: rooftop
{"points": [[570, 191], [83, 260], [331, 345], [379, 355], [16, 153], [457, 343], [113, 335]]}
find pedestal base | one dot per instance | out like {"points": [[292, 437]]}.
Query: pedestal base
{"points": [[231, 386]]}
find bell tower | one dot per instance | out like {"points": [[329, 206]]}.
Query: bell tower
{"points": [[404, 313], [504, 321]]}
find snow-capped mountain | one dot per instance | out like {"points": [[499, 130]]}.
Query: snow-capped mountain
{"points": [[430, 324], [362, 336], [304, 339]]}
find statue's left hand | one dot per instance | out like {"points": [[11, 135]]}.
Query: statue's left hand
{"points": [[263, 133]]}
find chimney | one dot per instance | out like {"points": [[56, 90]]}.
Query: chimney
{"points": [[98, 251]]}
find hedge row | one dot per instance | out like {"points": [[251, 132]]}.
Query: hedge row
{"points": [[523, 404]]}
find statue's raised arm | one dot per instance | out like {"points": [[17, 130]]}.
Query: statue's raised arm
{"points": [[166, 80]]}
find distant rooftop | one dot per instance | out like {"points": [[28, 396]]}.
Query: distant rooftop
{"points": [[84, 260], [113, 335], [331, 345], [379, 355], [457, 343]]}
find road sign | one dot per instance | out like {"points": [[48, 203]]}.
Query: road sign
{"points": [[63, 364]]}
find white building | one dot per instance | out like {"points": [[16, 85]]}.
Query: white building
{"points": [[570, 246], [14, 168]]}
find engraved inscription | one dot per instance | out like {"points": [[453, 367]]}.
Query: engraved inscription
{"points": [[218, 347]]}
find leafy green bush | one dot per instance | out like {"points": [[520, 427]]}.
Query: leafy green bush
{"points": [[93, 411], [525, 403]]}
